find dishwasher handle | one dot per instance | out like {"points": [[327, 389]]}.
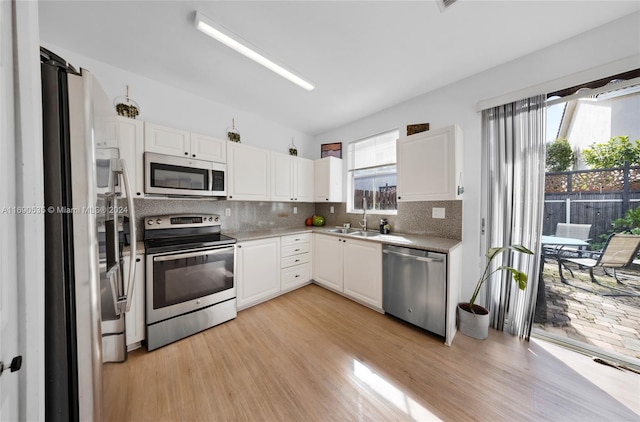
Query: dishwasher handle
{"points": [[417, 258]]}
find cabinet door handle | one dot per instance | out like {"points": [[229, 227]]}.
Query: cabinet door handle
{"points": [[186, 153]]}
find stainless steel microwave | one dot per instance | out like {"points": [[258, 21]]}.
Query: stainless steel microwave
{"points": [[180, 176]]}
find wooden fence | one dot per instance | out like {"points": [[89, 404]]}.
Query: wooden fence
{"points": [[596, 197], [385, 198]]}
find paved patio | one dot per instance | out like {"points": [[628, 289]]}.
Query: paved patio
{"points": [[605, 315]]}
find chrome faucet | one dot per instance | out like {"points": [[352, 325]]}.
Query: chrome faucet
{"points": [[364, 214]]}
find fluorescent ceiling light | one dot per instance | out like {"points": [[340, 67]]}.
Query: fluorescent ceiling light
{"points": [[206, 26]]}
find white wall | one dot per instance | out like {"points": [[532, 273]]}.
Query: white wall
{"points": [[601, 52], [171, 106]]}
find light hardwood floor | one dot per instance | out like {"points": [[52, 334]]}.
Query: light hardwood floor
{"points": [[312, 355]]}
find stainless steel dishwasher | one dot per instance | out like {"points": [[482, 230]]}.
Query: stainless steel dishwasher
{"points": [[414, 286]]}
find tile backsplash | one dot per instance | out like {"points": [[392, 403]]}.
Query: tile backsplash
{"points": [[245, 215], [412, 217]]}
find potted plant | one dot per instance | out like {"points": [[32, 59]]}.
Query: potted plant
{"points": [[473, 320]]}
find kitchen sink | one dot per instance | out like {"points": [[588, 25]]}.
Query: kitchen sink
{"points": [[364, 234], [340, 230]]}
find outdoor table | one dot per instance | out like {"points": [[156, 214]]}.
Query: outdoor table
{"points": [[558, 243], [561, 242]]}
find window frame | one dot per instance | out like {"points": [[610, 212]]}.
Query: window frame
{"points": [[350, 209]]}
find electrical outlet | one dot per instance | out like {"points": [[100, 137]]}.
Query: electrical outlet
{"points": [[437, 213], [295, 210], [331, 210], [227, 212]]}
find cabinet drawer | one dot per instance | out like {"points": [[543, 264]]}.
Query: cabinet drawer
{"points": [[295, 275], [296, 239], [295, 260], [295, 249]]}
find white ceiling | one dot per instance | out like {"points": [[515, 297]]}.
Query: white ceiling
{"points": [[363, 56]]}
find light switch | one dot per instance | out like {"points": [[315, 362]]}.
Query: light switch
{"points": [[295, 210], [437, 213], [331, 209], [227, 212]]}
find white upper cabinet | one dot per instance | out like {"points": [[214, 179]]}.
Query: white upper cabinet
{"points": [[182, 143], [291, 178], [247, 173], [165, 140], [208, 148], [303, 179], [430, 165], [328, 180], [129, 134], [106, 132], [281, 177]]}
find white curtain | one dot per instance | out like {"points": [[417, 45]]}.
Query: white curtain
{"points": [[513, 197], [21, 221]]}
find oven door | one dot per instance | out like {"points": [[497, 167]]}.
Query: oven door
{"points": [[178, 283]]}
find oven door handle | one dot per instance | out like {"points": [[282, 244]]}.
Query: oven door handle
{"points": [[190, 254]]}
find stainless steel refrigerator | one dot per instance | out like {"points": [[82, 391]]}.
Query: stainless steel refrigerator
{"points": [[85, 300]]}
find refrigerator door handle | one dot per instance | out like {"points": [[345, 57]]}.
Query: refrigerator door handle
{"points": [[112, 276], [125, 301]]}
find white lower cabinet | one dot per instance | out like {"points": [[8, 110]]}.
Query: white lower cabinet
{"points": [[349, 266], [295, 261], [327, 261], [257, 271], [363, 271], [134, 319]]}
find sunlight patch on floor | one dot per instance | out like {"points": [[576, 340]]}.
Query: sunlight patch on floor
{"points": [[624, 386], [392, 394]]}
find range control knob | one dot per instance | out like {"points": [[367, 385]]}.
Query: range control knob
{"points": [[150, 222], [159, 221], [210, 218], [217, 219]]}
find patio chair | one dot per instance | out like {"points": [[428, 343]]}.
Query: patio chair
{"points": [[619, 252], [572, 231]]}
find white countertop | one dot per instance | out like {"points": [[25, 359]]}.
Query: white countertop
{"points": [[416, 241]]}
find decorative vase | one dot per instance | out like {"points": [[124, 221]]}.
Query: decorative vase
{"points": [[232, 133], [293, 150], [473, 323], [126, 107]]}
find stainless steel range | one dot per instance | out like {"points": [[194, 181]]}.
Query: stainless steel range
{"points": [[189, 276]]}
